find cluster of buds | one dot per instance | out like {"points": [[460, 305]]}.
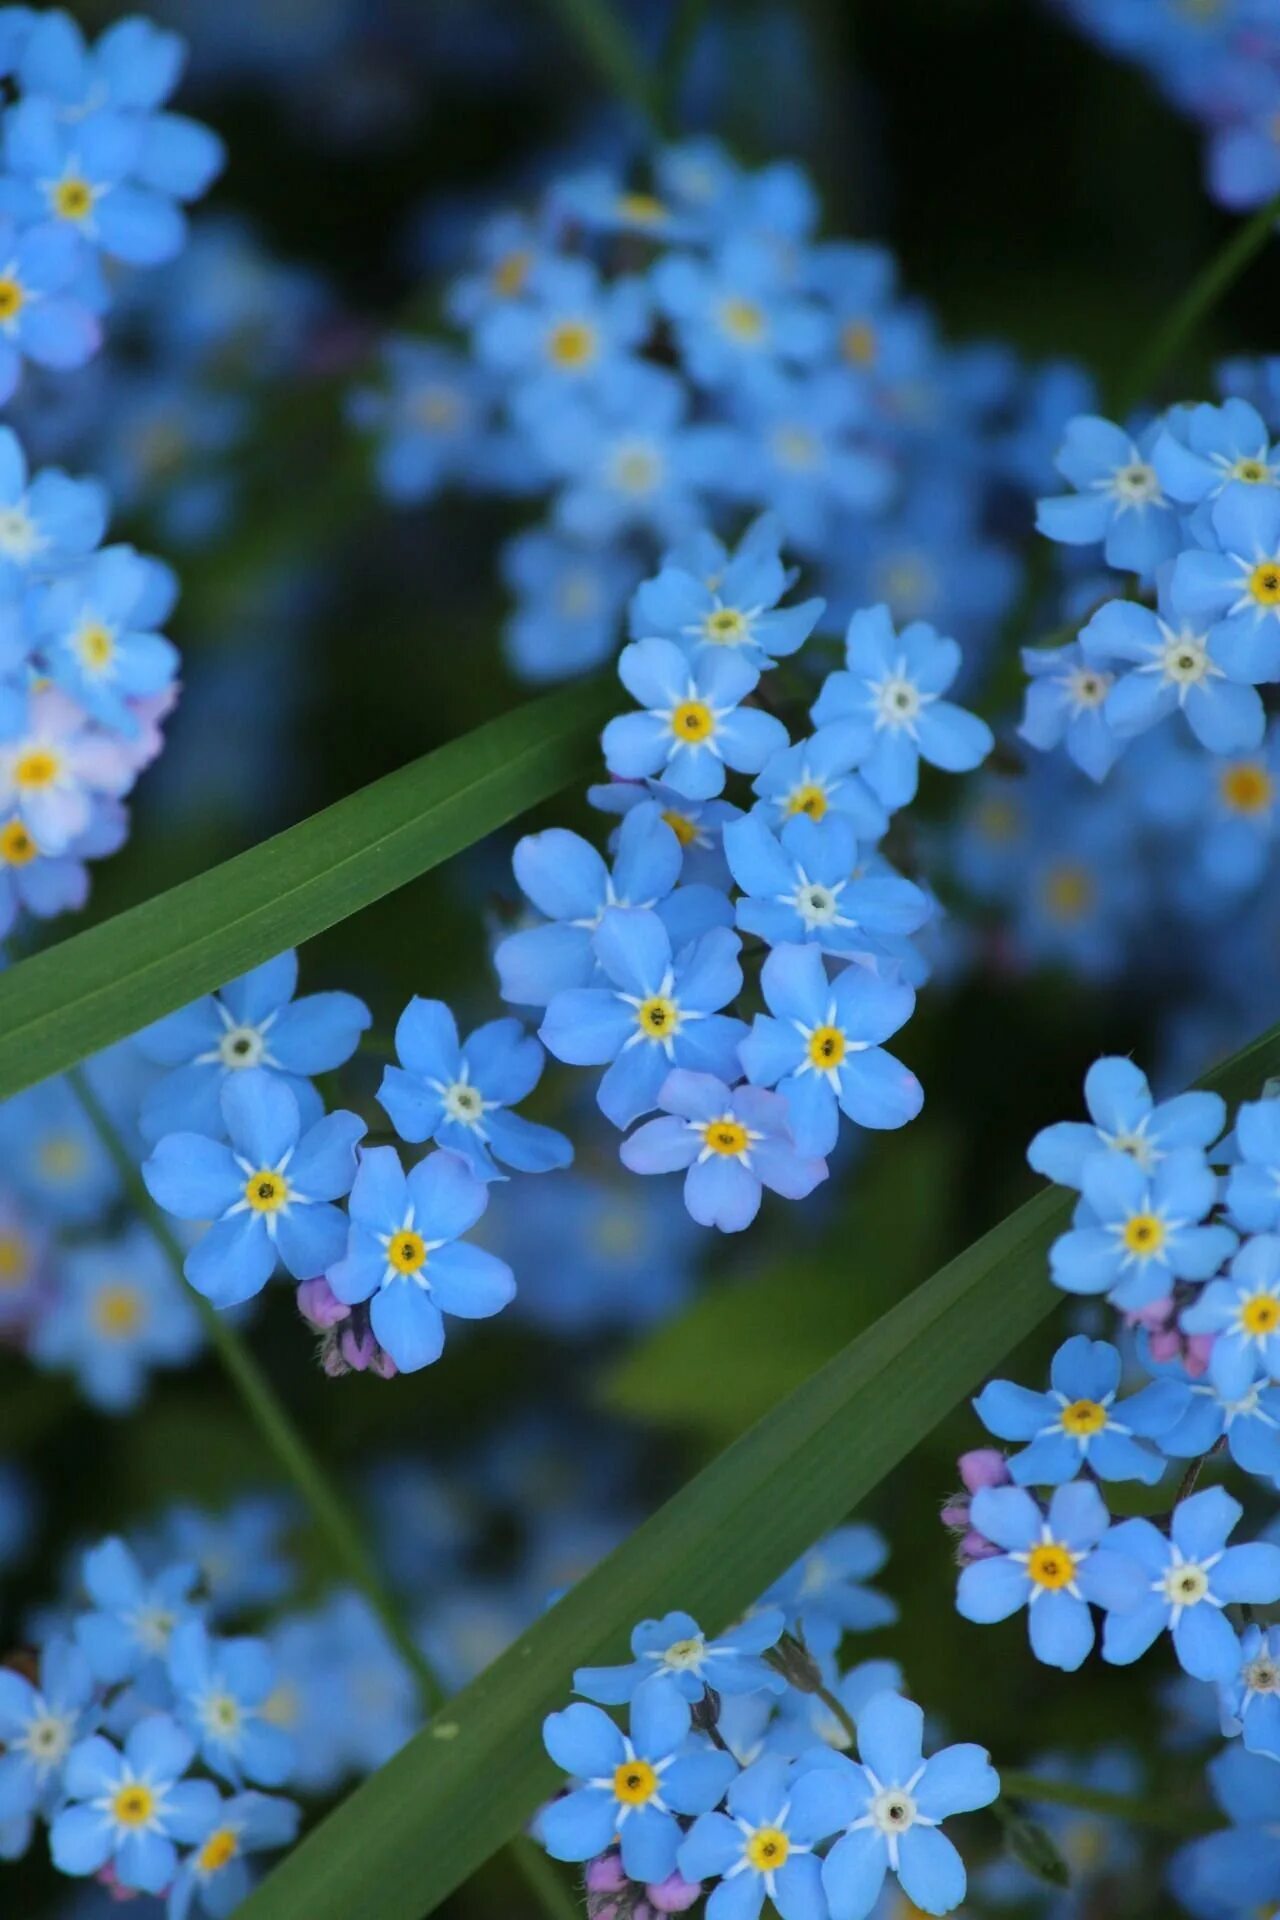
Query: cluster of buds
{"points": [[611, 1896], [1166, 1342], [347, 1341], [982, 1467]]}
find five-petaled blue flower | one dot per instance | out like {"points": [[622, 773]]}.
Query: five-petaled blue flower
{"points": [[1175, 664], [888, 706], [661, 1011], [253, 1022], [816, 777], [630, 1786], [1053, 1565], [217, 1875], [819, 1045], [890, 1809], [221, 1687], [1250, 1699], [457, 1094], [677, 1647], [1118, 499], [1237, 589], [404, 1252], [97, 632], [41, 1720], [1190, 1575], [128, 1808], [803, 884], [694, 724], [822, 1594], [1072, 1426], [1133, 1237], [1243, 1313], [733, 1141], [132, 1616], [1253, 1184], [1125, 1120], [268, 1192], [704, 598], [763, 1847]]}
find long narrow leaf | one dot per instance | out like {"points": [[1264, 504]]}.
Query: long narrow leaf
{"points": [[100, 985], [430, 1817]]}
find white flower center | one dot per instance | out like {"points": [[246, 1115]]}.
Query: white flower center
{"points": [[1087, 689], [1185, 1586], [1262, 1675], [464, 1103], [898, 701], [242, 1047], [893, 1810], [1136, 485], [685, 1656], [46, 1739]]}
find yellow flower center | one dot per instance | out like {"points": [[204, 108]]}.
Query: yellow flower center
{"points": [[1264, 583], [95, 644], [1261, 1315], [407, 1252], [657, 1016], [684, 829], [1252, 472], [72, 198], [808, 798], [827, 1047], [685, 1656], [693, 720], [858, 342], [724, 626], [218, 1850], [997, 820], [1051, 1566], [266, 1191], [133, 1805], [1068, 891], [743, 320], [508, 275], [60, 1156], [282, 1706], [767, 1849], [1084, 1416], [645, 209], [1143, 1234], [17, 848], [1246, 787], [726, 1136], [572, 344], [12, 297], [14, 1261], [436, 408], [794, 446], [117, 1310], [38, 767], [634, 1782]]}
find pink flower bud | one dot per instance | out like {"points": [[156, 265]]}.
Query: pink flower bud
{"points": [[984, 1467], [674, 1894], [604, 1874], [319, 1305]]}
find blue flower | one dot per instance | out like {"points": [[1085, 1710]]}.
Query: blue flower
{"points": [[567, 880], [46, 884], [429, 419], [1052, 1564], [1118, 499], [733, 1142], [569, 601], [888, 706], [255, 1022], [221, 1687], [41, 1720], [1253, 1184], [404, 1251], [1126, 1121], [697, 824], [1189, 1577], [53, 767], [128, 1808], [1133, 1236], [563, 329], [630, 1786], [216, 1877], [660, 1011], [1205, 449], [1179, 666], [1250, 1699], [119, 1311], [803, 885], [676, 1647], [819, 1046], [764, 1846], [1241, 1864], [95, 632], [242, 1556], [1066, 703], [803, 446], [458, 1094], [891, 1807], [48, 523], [823, 1594], [1244, 161], [1237, 589], [739, 313], [816, 777], [43, 316], [88, 175], [1243, 1313], [268, 1193], [1193, 1416], [1072, 1426], [131, 1618], [705, 597], [53, 1156], [694, 725]]}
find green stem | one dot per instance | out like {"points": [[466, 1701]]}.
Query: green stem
{"points": [[685, 28], [841, 1712], [606, 40], [1118, 1806], [1200, 298]]}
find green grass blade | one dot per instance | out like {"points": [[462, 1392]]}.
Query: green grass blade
{"points": [[469, 1781], [100, 985]]}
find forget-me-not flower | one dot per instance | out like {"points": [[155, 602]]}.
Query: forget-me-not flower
{"points": [[1118, 501], [1125, 1120], [216, 1876], [815, 777], [1134, 1235], [1253, 1183], [733, 1141], [129, 1807], [1236, 589], [803, 885], [693, 725], [703, 597], [43, 315], [1243, 1314], [824, 1595], [132, 1615], [118, 1313], [41, 1720], [676, 1646], [1250, 1699], [1074, 1425], [1175, 664], [763, 1847], [1066, 705], [221, 1688]]}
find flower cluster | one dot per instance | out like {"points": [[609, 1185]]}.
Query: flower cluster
{"points": [[735, 1775], [1190, 1256]]}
